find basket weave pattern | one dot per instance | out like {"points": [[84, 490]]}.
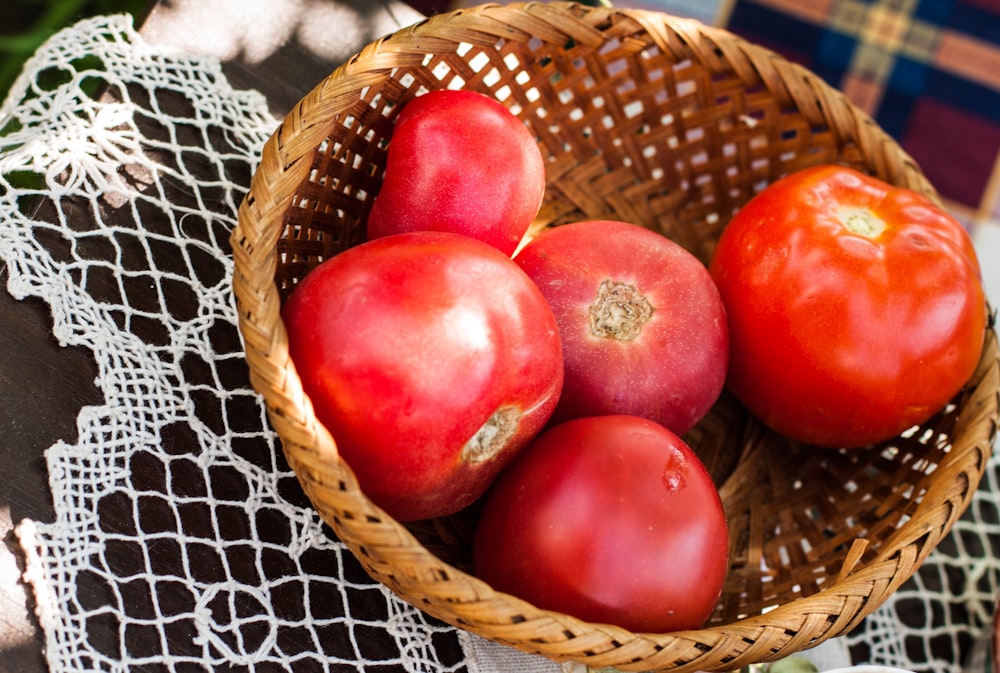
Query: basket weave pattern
{"points": [[662, 122]]}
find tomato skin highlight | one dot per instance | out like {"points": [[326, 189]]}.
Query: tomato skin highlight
{"points": [[672, 368], [407, 346], [610, 519], [844, 338], [461, 162]]}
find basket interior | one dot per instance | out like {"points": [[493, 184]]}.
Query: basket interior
{"points": [[630, 132], [657, 133]]}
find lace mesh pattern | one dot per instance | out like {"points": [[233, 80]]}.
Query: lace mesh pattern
{"points": [[181, 537]]}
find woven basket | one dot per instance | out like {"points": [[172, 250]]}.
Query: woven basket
{"points": [[669, 124]]}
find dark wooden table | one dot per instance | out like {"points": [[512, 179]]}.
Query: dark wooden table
{"points": [[42, 385]]}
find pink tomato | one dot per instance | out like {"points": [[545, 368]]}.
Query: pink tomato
{"points": [[611, 519], [431, 358], [643, 326], [459, 161]]}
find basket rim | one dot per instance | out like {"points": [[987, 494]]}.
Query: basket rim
{"points": [[283, 167]]}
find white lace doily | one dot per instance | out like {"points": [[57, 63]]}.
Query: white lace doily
{"points": [[214, 561], [180, 448]]}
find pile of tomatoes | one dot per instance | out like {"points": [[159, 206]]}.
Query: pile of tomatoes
{"points": [[550, 380]]}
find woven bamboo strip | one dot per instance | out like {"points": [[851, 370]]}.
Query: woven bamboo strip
{"points": [[672, 125]]}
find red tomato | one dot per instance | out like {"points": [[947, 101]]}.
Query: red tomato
{"points": [[431, 358], [643, 327], [855, 308], [610, 519], [459, 161]]}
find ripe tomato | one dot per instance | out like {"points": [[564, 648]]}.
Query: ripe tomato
{"points": [[459, 161], [611, 519], [855, 308], [643, 327], [431, 358]]}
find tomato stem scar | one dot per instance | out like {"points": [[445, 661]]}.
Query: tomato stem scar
{"points": [[493, 436], [619, 311], [861, 221]]}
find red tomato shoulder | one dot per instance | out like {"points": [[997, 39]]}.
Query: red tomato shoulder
{"points": [[855, 308]]}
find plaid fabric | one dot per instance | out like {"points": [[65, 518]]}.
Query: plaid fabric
{"points": [[928, 71]]}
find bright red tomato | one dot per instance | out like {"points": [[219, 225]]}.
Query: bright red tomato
{"points": [[643, 327], [460, 161], [611, 519], [855, 308], [431, 358]]}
